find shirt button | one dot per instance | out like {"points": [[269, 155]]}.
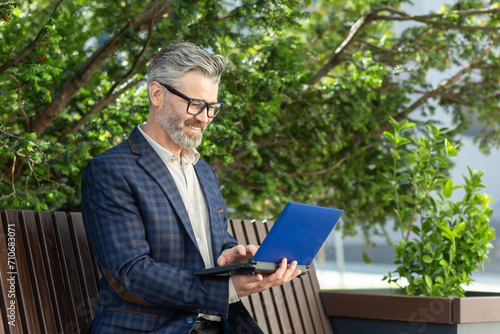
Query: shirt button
{"points": [[190, 320], [191, 205], [198, 239]]}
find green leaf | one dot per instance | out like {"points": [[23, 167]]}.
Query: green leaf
{"points": [[388, 197], [428, 281], [402, 141], [448, 188], [427, 259], [460, 227], [407, 199], [390, 136], [395, 154]]}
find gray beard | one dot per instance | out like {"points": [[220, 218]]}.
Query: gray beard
{"points": [[172, 125]]}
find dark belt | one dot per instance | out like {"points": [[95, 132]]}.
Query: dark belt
{"points": [[204, 326]]}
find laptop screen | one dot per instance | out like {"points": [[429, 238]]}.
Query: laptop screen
{"points": [[298, 233]]}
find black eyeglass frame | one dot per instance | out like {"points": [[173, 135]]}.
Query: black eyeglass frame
{"points": [[206, 105]]}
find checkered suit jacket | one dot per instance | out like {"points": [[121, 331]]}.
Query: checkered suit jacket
{"points": [[140, 232]]}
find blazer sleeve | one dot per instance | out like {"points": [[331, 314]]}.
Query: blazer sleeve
{"points": [[117, 235]]}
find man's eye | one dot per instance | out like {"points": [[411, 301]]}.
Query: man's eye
{"points": [[197, 104]]}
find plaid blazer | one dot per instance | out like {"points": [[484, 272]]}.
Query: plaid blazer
{"points": [[140, 232]]}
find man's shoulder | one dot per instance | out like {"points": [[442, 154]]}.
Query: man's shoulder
{"points": [[126, 149], [119, 151], [118, 157]]}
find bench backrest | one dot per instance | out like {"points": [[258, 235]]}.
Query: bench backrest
{"points": [[54, 270], [48, 279]]}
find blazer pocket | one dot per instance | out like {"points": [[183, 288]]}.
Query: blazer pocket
{"points": [[138, 321]]}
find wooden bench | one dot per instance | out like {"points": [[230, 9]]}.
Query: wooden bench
{"points": [[48, 279]]}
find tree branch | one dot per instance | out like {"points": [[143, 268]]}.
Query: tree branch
{"points": [[437, 91], [425, 18], [66, 93], [402, 16], [450, 96], [101, 104], [336, 165], [339, 52], [443, 85], [429, 18], [112, 95], [23, 113], [27, 50]]}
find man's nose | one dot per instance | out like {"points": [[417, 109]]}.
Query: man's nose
{"points": [[203, 116]]}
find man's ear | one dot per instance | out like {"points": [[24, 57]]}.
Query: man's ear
{"points": [[156, 94]]}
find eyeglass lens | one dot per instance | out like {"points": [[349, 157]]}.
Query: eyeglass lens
{"points": [[196, 107]]}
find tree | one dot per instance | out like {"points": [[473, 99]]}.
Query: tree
{"points": [[310, 89]]}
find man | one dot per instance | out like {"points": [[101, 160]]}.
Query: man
{"points": [[153, 213]]}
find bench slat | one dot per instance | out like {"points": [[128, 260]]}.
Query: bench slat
{"points": [[71, 276], [267, 300], [5, 299], [325, 321], [257, 300], [278, 297], [2, 328], [235, 228], [290, 300], [53, 265], [24, 292], [39, 282], [312, 304], [293, 309], [86, 272]]}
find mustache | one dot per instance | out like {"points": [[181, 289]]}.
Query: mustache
{"points": [[196, 124]]}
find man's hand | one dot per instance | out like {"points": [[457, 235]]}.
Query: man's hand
{"points": [[237, 254], [246, 285]]}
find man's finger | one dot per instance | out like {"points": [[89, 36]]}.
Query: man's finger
{"points": [[278, 274], [290, 272], [247, 281], [255, 278], [251, 249], [284, 274]]}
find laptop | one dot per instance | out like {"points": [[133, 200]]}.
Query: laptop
{"points": [[297, 234]]}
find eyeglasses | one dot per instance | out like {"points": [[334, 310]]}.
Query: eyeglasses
{"points": [[196, 106]]}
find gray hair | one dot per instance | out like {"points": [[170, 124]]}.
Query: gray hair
{"points": [[175, 59]]}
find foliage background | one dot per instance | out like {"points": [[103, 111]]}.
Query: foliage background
{"points": [[310, 88]]}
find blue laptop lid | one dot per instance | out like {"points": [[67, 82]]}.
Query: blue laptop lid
{"points": [[298, 233]]}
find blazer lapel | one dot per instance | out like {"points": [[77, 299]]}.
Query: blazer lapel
{"points": [[153, 164]]}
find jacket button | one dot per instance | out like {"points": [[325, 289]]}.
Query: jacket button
{"points": [[190, 320], [204, 311], [216, 313], [198, 310]]}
